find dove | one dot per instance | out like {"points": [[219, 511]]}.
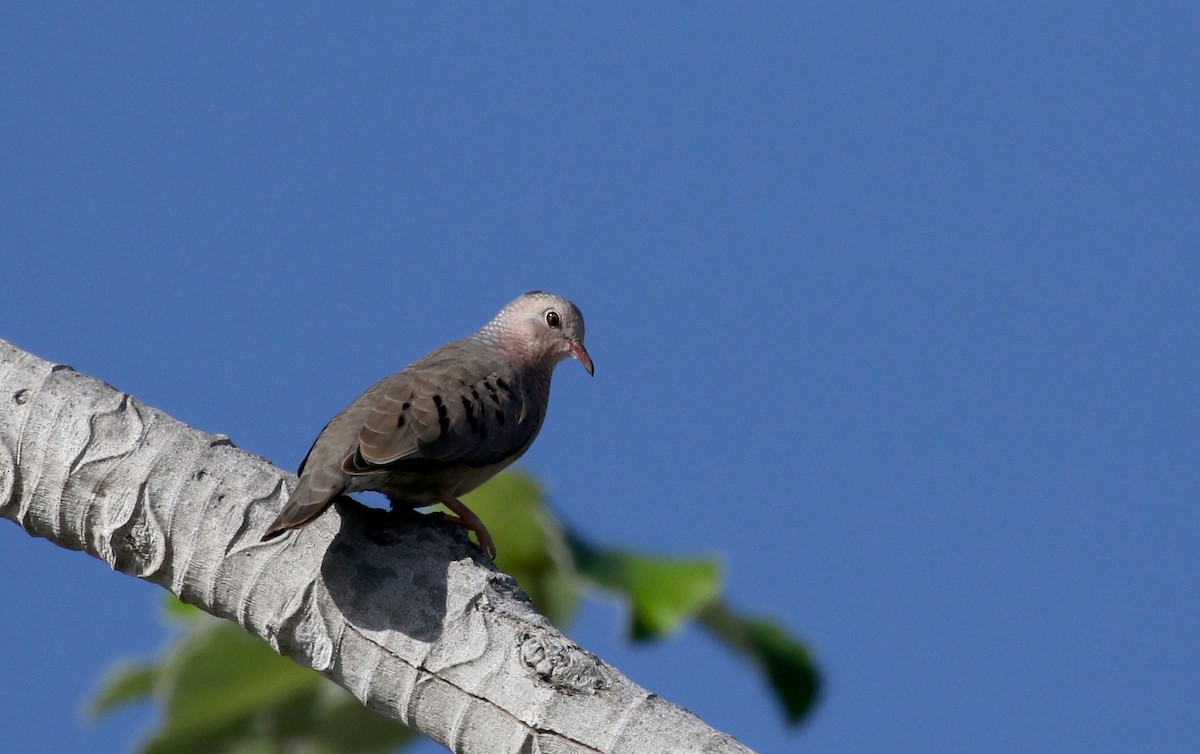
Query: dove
{"points": [[447, 422]]}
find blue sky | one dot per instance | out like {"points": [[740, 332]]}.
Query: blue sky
{"points": [[894, 307]]}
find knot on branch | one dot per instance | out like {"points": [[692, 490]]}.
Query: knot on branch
{"points": [[562, 663]]}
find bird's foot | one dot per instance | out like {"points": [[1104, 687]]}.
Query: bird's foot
{"points": [[465, 517]]}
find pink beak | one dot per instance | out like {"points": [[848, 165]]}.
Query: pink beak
{"points": [[581, 353]]}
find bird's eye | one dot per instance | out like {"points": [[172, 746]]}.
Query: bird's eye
{"points": [[553, 319]]}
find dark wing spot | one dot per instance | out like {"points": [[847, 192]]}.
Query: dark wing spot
{"points": [[399, 421], [476, 427], [505, 387], [492, 391], [499, 417], [443, 414]]}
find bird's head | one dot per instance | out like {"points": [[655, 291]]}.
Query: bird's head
{"points": [[542, 327]]}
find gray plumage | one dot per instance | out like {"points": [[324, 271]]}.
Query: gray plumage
{"points": [[446, 423]]}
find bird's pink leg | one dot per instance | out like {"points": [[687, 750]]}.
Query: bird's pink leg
{"points": [[464, 516]]}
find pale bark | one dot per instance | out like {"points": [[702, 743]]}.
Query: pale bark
{"points": [[406, 615]]}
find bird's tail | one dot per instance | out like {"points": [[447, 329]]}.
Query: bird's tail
{"points": [[311, 497]]}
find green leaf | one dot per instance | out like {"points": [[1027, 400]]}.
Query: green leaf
{"points": [[178, 611], [122, 685], [530, 541], [664, 593], [215, 680], [224, 690], [786, 662]]}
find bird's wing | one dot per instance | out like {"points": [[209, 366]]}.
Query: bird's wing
{"points": [[446, 411]]}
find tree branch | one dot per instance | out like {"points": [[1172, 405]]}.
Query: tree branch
{"points": [[405, 614]]}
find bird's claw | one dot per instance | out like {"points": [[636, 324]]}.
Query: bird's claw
{"points": [[465, 517]]}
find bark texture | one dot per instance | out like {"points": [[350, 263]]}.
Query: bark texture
{"points": [[406, 615]]}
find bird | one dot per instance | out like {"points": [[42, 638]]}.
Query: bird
{"points": [[447, 422]]}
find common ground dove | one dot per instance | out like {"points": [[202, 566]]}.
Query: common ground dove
{"points": [[446, 423]]}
